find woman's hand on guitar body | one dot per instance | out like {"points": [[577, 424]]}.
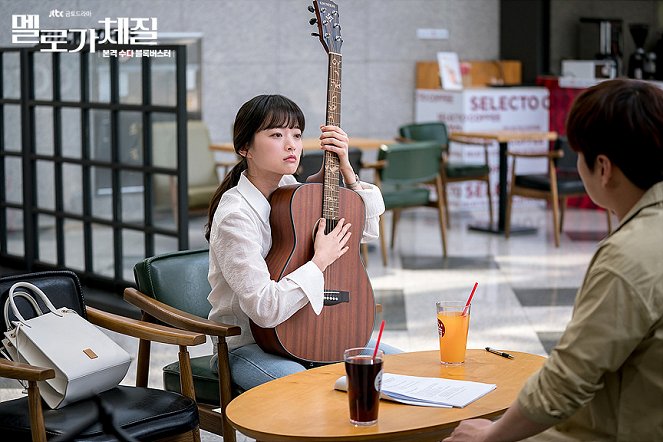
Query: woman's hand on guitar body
{"points": [[330, 247], [334, 139]]}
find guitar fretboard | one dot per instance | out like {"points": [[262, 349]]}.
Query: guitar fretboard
{"points": [[332, 166]]}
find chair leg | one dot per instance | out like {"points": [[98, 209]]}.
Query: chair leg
{"points": [[195, 434], [364, 253], [490, 203], [446, 204], [555, 210], [186, 376], [507, 223], [562, 210], [443, 230], [143, 365], [383, 246], [394, 221], [441, 214], [37, 428], [225, 392]]}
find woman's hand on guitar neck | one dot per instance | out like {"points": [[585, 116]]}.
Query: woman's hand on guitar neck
{"points": [[328, 248], [334, 139]]}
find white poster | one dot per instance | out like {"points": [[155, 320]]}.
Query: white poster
{"points": [[450, 71]]}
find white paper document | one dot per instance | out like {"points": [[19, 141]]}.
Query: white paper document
{"points": [[427, 392]]}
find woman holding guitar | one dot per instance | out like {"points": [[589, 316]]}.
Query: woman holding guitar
{"points": [[268, 137]]}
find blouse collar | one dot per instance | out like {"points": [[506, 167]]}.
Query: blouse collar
{"points": [[254, 197]]}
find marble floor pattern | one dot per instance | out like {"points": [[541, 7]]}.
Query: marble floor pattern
{"points": [[523, 302]]}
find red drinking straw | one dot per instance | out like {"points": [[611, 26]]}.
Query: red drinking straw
{"points": [[467, 304], [377, 344]]}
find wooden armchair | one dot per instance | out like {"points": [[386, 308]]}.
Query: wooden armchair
{"points": [[142, 413], [173, 289]]}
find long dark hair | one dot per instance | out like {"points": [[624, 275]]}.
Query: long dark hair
{"points": [[259, 113]]}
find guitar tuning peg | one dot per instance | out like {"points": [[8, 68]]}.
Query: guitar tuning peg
{"points": [[315, 34], [313, 21], [336, 25], [311, 8], [338, 38]]}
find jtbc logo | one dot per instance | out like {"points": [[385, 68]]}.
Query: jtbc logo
{"points": [[509, 103]]}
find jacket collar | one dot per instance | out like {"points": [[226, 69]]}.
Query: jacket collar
{"points": [[653, 196]]}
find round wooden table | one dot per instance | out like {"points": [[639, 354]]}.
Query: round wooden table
{"points": [[305, 406]]}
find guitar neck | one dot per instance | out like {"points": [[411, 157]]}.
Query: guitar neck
{"points": [[332, 166]]}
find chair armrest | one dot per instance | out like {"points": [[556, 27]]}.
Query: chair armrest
{"points": [[473, 141], [25, 372], [552, 154], [144, 330], [178, 318], [376, 165]]}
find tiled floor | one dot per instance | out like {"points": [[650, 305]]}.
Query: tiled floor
{"points": [[526, 285]]}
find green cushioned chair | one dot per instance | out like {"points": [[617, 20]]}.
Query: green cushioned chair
{"points": [[451, 172], [405, 173], [173, 289]]}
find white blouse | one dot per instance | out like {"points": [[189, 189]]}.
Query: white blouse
{"points": [[240, 238]]}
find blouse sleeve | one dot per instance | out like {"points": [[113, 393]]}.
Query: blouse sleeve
{"points": [[237, 247], [374, 204]]}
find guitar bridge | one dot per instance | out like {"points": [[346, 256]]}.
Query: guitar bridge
{"points": [[333, 297]]}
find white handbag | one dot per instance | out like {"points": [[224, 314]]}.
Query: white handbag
{"points": [[85, 360]]}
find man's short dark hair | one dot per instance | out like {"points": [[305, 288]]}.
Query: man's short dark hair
{"points": [[622, 119]]}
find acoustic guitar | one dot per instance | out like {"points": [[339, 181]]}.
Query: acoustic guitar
{"points": [[349, 308]]}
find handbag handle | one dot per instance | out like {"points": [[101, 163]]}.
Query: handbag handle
{"points": [[29, 299], [34, 289]]}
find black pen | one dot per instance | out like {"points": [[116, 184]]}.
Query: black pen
{"points": [[499, 353]]}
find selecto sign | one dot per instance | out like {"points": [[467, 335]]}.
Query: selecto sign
{"points": [[492, 103]]}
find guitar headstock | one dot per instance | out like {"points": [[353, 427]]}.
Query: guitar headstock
{"points": [[329, 29]]}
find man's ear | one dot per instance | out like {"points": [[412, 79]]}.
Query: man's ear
{"points": [[605, 168]]}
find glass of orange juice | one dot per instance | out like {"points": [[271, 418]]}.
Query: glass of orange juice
{"points": [[453, 321]]}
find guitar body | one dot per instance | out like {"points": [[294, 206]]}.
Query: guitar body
{"points": [[347, 318]]}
